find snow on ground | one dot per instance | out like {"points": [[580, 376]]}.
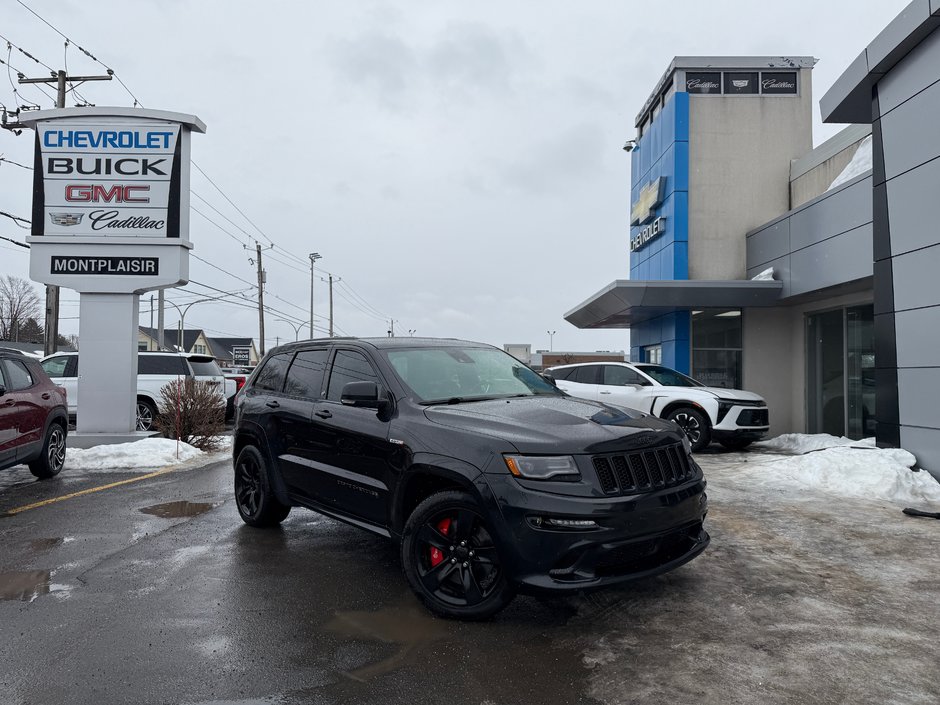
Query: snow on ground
{"points": [[839, 466], [146, 454]]}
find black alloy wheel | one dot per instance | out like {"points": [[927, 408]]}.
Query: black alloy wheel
{"points": [[695, 426], [256, 502], [50, 462], [146, 415], [451, 560]]}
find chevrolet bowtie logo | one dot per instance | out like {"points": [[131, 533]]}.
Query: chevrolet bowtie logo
{"points": [[651, 196]]}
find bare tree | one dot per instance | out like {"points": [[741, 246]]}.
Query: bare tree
{"points": [[18, 303]]}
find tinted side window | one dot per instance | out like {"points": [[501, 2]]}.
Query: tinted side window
{"points": [[16, 374], [305, 377], [161, 365], [564, 373], [620, 376], [271, 376], [55, 366], [349, 366], [586, 375]]}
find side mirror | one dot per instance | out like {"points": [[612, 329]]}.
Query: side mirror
{"points": [[3, 390], [363, 394]]}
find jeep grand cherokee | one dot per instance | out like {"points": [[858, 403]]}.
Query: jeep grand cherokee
{"points": [[492, 480]]}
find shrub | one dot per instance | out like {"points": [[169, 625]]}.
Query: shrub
{"points": [[193, 412]]}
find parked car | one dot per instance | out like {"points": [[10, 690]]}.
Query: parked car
{"points": [[732, 417], [154, 371], [33, 417], [491, 479]]}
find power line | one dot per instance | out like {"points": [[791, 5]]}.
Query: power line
{"points": [[26, 53], [361, 298], [10, 161], [17, 220], [82, 49], [15, 242]]}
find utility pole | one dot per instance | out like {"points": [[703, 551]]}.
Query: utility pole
{"points": [[391, 327], [61, 79], [314, 256], [331, 305], [261, 278]]}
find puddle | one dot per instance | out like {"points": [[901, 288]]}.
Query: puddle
{"points": [[176, 510], [46, 544], [408, 626], [24, 585]]}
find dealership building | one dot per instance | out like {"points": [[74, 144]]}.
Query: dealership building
{"points": [[807, 275]]}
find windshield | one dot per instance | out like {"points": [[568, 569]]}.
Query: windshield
{"points": [[452, 374], [205, 369], [668, 377]]}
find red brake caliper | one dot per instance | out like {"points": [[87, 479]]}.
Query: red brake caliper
{"points": [[436, 554]]}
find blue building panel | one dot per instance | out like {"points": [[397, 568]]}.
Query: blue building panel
{"points": [[663, 151]]}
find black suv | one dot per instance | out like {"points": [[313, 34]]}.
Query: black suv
{"points": [[492, 479]]}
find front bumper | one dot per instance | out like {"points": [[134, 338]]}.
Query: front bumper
{"points": [[637, 536]]}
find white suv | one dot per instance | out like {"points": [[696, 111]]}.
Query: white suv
{"points": [[154, 370], [732, 417]]}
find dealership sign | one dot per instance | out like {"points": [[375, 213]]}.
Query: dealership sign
{"points": [[111, 198], [107, 179], [643, 212], [241, 356]]}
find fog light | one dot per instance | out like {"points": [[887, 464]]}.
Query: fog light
{"points": [[557, 523]]}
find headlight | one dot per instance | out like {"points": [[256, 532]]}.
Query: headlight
{"points": [[542, 467]]}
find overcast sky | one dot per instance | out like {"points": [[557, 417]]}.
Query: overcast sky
{"points": [[457, 164]]}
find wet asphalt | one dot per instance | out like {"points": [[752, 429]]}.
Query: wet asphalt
{"points": [[154, 591]]}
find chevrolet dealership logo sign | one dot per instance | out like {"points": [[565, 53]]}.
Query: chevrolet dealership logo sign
{"points": [[650, 198]]}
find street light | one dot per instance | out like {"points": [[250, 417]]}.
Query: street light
{"points": [[314, 256], [182, 312], [412, 331], [551, 338], [295, 326]]}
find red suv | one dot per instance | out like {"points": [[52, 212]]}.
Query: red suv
{"points": [[33, 417]]}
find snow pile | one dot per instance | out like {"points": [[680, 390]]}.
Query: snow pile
{"points": [[149, 454], [766, 276], [845, 468], [800, 443], [861, 163]]}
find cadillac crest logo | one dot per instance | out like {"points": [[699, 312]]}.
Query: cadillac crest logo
{"points": [[66, 218]]}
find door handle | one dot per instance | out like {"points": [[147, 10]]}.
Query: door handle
{"points": [[604, 392], [273, 404], [323, 413], [45, 395], [9, 402]]}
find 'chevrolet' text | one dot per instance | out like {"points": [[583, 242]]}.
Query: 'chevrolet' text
{"points": [[106, 139]]}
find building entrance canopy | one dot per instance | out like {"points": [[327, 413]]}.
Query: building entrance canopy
{"points": [[624, 303]]}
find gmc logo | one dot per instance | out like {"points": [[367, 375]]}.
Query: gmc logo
{"points": [[96, 193]]}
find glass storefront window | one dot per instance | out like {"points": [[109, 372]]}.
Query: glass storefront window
{"points": [[653, 354], [716, 347], [840, 372]]}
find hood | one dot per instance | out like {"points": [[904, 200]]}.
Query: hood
{"points": [[733, 394], [562, 425]]}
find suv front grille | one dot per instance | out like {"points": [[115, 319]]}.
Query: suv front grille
{"points": [[753, 417], [641, 471]]}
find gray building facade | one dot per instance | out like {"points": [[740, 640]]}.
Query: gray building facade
{"points": [[894, 86], [841, 330]]}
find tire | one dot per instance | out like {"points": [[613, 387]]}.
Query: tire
{"points": [[695, 425], [460, 580], [254, 497], [50, 461], [735, 443], [146, 414]]}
